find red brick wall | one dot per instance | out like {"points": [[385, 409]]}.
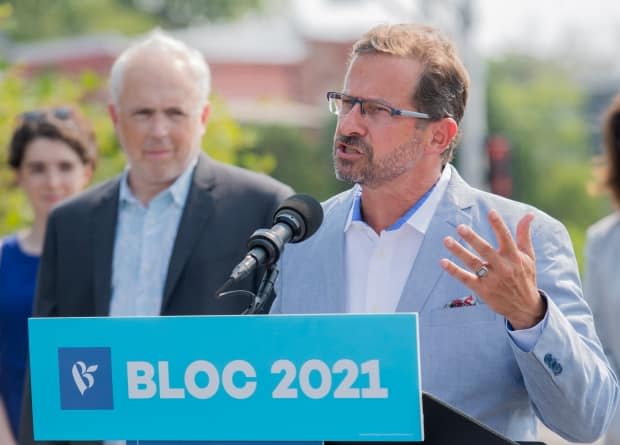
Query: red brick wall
{"points": [[306, 81]]}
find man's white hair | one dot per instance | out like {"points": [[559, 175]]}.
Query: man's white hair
{"points": [[159, 40]]}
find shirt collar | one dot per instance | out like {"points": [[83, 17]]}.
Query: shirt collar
{"points": [[178, 190], [421, 219], [419, 214]]}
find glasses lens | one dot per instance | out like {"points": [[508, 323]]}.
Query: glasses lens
{"points": [[33, 116], [347, 103], [335, 103], [62, 113], [39, 116]]}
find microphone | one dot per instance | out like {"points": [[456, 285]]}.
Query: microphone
{"points": [[297, 219]]}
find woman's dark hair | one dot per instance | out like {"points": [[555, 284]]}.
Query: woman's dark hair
{"points": [[611, 139], [64, 124]]}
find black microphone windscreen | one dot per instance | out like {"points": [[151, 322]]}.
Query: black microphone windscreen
{"points": [[309, 209]]}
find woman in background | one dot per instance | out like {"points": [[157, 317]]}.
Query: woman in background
{"points": [[53, 153], [602, 275]]}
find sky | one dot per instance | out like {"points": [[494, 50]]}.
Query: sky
{"points": [[585, 33], [538, 26], [547, 26]]}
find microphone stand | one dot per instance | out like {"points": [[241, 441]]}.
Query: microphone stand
{"points": [[297, 218], [264, 290], [257, 300]]}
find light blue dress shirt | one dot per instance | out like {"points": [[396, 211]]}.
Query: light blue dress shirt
{"points": [[144, 239]]}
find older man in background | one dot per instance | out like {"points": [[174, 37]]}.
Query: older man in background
{"points": [[163, 236]]}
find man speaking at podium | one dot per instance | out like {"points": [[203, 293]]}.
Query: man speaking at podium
{"points": [[505, 334]]}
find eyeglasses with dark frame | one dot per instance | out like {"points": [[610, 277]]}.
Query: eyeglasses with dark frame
{"points": [[341, 104], [39, 116]]}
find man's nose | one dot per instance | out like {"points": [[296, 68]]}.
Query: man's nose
{"points": [[160, 125], [53, 177]]}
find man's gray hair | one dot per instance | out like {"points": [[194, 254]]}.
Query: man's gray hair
{"points": [[159, 40]]}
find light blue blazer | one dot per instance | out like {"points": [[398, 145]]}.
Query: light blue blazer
{"points": [[467, 356], [602, 290]]}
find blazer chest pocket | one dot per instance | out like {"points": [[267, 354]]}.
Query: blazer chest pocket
{"points": [[479, 313]]}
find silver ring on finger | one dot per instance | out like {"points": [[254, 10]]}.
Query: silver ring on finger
{"points": [[482, 271]]}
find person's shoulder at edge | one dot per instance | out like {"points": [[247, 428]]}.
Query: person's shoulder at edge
{"points": [[8, 240], [604, 226]]}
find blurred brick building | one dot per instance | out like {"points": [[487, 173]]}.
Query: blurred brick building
{"points": [[265, 68]]}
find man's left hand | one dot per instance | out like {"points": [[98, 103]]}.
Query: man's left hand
{"points": [[505, 278]]}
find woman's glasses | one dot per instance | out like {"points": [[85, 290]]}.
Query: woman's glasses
{"points": [[39, 116]]}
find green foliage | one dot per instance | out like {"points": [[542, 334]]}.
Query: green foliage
{"points": [[184, 12], [41, 19], [303, 158], [225, 139], [538, 107]]}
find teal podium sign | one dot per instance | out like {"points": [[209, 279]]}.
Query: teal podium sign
{"points": [[227, 378]]}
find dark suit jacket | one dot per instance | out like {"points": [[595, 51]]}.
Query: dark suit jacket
{"points": [[224, 206]]}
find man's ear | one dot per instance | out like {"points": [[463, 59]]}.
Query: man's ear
{"points": [[112, 112], [443, 132], [88, 175], [206, 112]]}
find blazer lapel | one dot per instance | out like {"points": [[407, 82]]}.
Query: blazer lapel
{"points": [[334, 296], [105, 217], [198, 209], [453, 209]]}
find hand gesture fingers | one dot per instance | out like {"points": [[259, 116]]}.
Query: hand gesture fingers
{"points": [[473, 263], [504, 277], [524, 240]]}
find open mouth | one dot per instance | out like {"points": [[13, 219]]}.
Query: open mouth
{"points": [[342, 148]]}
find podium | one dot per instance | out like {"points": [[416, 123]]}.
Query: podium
{"points": [[238, 380], [445, 425]]}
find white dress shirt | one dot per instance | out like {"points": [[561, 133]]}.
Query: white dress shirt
{"points": [[377, 265]]}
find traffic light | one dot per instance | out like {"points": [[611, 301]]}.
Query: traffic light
{"points": [[500, 165]]}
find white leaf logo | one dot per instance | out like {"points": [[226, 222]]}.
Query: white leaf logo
{"points": [[82, 376]]}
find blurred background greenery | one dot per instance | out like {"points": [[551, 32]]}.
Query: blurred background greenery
{"points": [[537, 105]]}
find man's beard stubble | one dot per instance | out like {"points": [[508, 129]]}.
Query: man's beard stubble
{"points": [[373, 174]]}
